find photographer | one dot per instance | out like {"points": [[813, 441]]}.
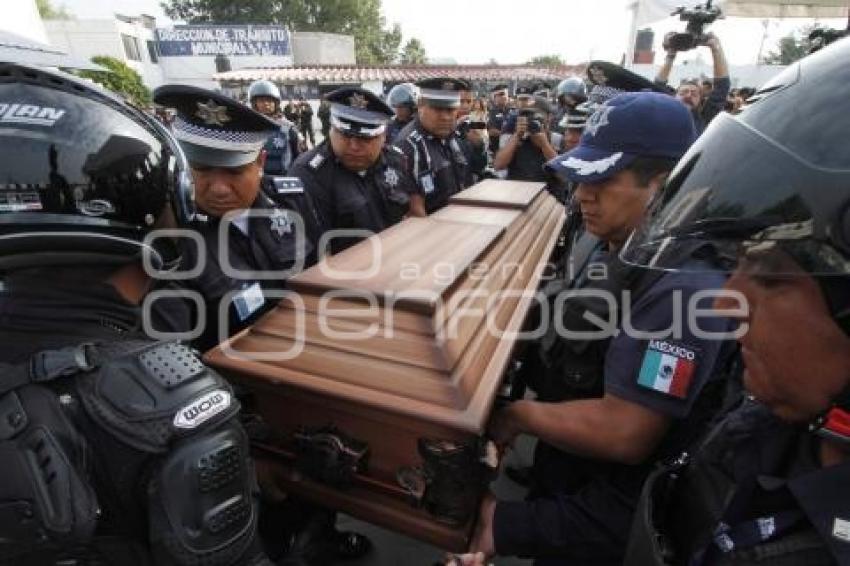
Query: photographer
{"points": [[524, 151], [472, 134], [703, 108]]}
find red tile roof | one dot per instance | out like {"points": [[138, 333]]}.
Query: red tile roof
{"points": [[398, 73]]}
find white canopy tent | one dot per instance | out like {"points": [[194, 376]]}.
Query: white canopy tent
{"points": [[645, 12]]}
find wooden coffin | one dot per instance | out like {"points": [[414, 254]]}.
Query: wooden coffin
{"points": [[421, 358]]}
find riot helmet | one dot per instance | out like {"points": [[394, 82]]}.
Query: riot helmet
{"points": [[573, 87], [404, 94], [263, 88], [765, 179], [85, 176]]}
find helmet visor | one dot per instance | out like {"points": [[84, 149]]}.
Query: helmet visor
{"points": [[737, 194]]}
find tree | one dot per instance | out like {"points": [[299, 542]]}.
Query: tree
{"points": [[414, 53], [120, 79], [790, 48], [48, 11], [374, 43], [547, 61]]}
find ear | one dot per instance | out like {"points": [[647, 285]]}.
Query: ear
{"points": [[658, 181], [261, 160]]}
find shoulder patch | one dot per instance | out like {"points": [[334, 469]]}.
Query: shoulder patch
{"points": [[316, 161], [415, 136], [396, 149], [287, 185], [668, 368]]}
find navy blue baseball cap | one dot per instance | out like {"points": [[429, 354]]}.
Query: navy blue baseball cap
{"points": [[630, 125], [358, 112], [213, 129]]}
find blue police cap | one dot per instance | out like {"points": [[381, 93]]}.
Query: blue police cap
{"points": [[358, 112], [213, 129], [630, 125], [442, 92]]}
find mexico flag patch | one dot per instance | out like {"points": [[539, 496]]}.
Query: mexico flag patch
{"points": [[668, 368]]}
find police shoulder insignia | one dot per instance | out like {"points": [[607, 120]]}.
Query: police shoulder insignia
{"points": [[281, 223], [391, 177], [668, 368], [396, 149], [317, 161]]}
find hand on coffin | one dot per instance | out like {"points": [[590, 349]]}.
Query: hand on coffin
{"points": [[504, 426], [471, 559], [482, 539]]}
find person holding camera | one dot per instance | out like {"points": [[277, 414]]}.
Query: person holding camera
{"points": [[472, 134], [703, 108], [524, 151]]}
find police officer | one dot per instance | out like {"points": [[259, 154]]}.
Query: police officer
{"points": [[282, 146], [355, 181], [612, 400], [265, 240], [769, 483], [524, 151], [569, 93], [434, 157], [496, 115], [116, 449], [402, 99]]}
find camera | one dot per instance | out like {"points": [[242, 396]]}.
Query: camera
{"points": [[697, 17], [821, 37], [535, 124]]}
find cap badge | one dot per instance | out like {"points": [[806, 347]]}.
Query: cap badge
{"points": [[358, 100], [448, 85], [598, 120], [597, 75], [212, 114]]}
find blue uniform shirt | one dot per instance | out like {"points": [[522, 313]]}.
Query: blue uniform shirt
{"points": [[587, 519]]}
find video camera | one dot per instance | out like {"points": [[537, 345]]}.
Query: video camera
{"points": [[821, 37], [697, 17]]}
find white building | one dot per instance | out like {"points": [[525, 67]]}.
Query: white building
{"points": [[192, 54], [127, 39]]}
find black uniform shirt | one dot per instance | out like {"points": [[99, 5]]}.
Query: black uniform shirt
{"points": [[371, 200], [439, 166]]}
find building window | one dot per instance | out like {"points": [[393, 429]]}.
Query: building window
{"points": [[153, 52], [131, 47]]}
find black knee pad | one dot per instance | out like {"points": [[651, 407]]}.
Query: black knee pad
{"points": [[203, 499]]}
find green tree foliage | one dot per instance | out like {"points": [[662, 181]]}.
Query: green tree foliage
{"points": [[375, 43], [790, 48], [547, 61], [120, 79], [414, 53], [48, 11]]}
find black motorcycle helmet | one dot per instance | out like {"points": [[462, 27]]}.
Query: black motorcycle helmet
{"points": [[84, 176], [775, 175]]}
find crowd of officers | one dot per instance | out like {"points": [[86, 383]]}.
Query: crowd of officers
{"points": [[656, 444]]}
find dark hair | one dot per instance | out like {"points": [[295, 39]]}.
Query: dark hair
{"points": [[645, 168], [707, 82]]}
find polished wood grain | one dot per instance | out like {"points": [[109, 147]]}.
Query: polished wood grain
{"points": [[417, 347]]}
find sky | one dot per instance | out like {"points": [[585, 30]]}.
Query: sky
{"points": [[513, 31]]}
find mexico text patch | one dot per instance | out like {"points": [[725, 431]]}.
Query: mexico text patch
{"points": [[668, 368]]}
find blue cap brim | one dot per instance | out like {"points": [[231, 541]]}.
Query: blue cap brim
{"points": [[587, 164]]}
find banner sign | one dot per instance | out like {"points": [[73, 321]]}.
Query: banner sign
{"points": [[186, 41]]}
